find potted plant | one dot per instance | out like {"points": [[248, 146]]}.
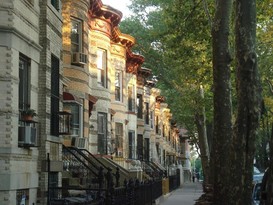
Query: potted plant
{"points": [[28, 114]]}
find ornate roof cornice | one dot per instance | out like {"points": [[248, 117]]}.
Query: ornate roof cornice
{"points": [[124, 39], [133, 62], [160, 99], [144, 72], [99, 10]]}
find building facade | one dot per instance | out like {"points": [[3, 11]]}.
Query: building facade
{"points": [[68, 62]]}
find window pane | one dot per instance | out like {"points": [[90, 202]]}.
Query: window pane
{"points": [[76, 117], [118, 86], [102, 67], [119, 139], [55, 89], [131, 100], [24, 91], [139, 106], [102, 133], [76, 32], [131, 145], [147, 113], [99, 59]]}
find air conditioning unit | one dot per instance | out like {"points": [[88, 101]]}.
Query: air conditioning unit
{"points": [[78, 142], [79, 58], [27, 136]]}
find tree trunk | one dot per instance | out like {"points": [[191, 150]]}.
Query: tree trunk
{"points": [[269, 178], [222, 103], [249, 102], [200, 121]]}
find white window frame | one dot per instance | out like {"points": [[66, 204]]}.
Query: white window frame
{"points": [[78, 31], [102, 67], [24, 82], [76, 128], [118, 85], [131, 98], [133, 145]]}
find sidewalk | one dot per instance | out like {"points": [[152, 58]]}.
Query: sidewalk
{"points": [[186, 195]]}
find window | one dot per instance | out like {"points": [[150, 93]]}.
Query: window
{"points": [[76, 35], [147, 149], [56, 4], [22, 196], [140, 147], [131, 98], [139, 106], [55, 96], [157, 125], [152, 119], [118, 86], [30, 1], [131, 145], [53, 183], [76, 121], [147, 117], [102, 67], [24, 82], [102, 133], [119, 139]]}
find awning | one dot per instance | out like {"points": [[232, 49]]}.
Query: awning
{"points": [[113, 112], [70, 97], [92, 99]]}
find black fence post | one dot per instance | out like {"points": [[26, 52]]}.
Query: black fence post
{"points": [[100, 178], [117, 177], [109, 188], [48, 179]]}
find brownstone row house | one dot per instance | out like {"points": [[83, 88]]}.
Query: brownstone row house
{"points": [[69, 62]]}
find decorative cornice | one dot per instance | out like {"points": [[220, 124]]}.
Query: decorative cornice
{"points": [[150, 83], [124, 39], [102, 25], [133, 62], [160, 99], [98, 9], [144, 72]]}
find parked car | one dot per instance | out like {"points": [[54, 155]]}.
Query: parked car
{"points": [[256, 194]]}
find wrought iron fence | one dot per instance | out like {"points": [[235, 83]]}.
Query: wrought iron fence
{"points": [[174, 181], [98, 186], [133, 192]]}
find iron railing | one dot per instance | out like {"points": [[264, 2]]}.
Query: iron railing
{"points": [[92, 183]]}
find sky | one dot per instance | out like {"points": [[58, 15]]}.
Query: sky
{"points": [[121, 5]]}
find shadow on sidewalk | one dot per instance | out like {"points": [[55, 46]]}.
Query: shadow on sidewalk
{"points": [[187, 194]]}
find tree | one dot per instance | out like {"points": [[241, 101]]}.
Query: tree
{"points": [[182, 58], [249, 101], [174, 55], [222, 102]]}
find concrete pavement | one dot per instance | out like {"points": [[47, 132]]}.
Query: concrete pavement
{"points": [[186, 195]]}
